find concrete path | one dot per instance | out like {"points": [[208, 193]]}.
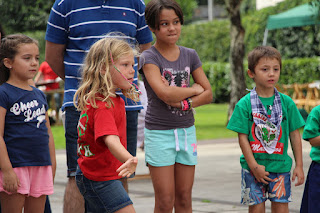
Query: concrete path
{"points": [[216, 187]]}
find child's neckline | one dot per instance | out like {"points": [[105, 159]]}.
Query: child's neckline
{"points": [[272, 96], [167, 58], [31, 88]]}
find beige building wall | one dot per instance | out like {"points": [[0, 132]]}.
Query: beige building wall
{"points": [[266, 3]]}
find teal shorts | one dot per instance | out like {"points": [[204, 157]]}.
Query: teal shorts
{"points": [[167, 147]]}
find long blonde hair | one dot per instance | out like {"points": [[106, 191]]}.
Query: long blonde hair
{"points": [[93, 81]]}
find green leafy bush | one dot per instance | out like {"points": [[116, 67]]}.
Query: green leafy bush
{"points": [[40, 37], [211, 40]]}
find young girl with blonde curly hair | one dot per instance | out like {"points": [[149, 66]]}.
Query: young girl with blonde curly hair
{"points": [[103, 158]]}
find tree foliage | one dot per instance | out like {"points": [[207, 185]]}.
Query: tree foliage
{"points": [[211, 40], [24, 15]]}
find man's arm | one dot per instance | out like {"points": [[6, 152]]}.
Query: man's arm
{"points": [[54, 57]]}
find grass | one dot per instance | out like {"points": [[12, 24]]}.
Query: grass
{"points": [[58, 135], [210, 122]]}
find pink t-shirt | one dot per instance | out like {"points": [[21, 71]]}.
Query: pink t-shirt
{"points": [[95, 159]]}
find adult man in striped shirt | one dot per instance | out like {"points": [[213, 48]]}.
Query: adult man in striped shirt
{"points": [[73, 26]]}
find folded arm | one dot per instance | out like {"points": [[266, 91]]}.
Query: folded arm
{"points": [[167, 93]]}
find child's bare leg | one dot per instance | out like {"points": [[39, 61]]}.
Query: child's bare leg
{"points": [[184, 177], [35, 204], [279, 207], [127, 209], [163, 184], [259, 208], [11, 203]]}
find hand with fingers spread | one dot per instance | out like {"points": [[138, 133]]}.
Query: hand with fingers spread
{"points": [[128, 168], [260, 173], [298, 173], [10, 181]]}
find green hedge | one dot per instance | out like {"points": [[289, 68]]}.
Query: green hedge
{"points": [[40, 37], [212, 39], [298, 70]]}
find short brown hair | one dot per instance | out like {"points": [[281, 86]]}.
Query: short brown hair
{"points": [[154, 8], [260, 52]]}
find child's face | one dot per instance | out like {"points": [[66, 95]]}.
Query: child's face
{"points": [[25, 64], [169, 27], [266, 73], [125, 65]]}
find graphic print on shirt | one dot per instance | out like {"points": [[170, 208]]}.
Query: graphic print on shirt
{"points": [[178, 78], [30, 110], [264, 133], [82, 127]]}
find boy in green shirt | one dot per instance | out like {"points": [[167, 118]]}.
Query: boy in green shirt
{"points": [[264, 120]]}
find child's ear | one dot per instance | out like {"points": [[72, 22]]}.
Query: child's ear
{"points": [[152, 30], [250, 73], [7, 62]]}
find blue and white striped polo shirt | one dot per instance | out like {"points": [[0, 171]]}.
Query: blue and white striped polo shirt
{"points": [[80, 23]]}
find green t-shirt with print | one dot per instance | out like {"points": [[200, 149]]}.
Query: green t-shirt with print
{"points": [[241, 121], [312, 130]]}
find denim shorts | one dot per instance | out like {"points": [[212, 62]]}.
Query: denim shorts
{"points": [[167, 147], [71, 123], [254, 192], [102, 196]]}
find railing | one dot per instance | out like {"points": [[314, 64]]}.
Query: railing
{"points": [[305, 96], [53, 104]]}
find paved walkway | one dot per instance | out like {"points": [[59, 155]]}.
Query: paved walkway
{"points": [[216, 187]]}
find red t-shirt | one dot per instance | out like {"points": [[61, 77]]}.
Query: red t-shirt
{"points": [[95, 160], [49, 75]]}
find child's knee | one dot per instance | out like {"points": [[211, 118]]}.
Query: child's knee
{"points": [[277, 207], [165, 203]]}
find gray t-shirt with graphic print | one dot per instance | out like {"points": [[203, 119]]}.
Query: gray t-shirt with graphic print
{"points": [[159, 115]]}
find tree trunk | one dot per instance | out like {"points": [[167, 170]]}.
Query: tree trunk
{"points": [[238, 83]]}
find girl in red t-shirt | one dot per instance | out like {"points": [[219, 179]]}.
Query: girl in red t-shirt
{"points": [[103, 158]]}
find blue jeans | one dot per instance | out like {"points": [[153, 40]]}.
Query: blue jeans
{"points": [[102, 196], [47, 207], [310, 200], [72, 118]]}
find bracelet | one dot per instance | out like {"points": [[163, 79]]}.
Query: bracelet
{"points": [[182, 105], [189, 100], [186, 105]]}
